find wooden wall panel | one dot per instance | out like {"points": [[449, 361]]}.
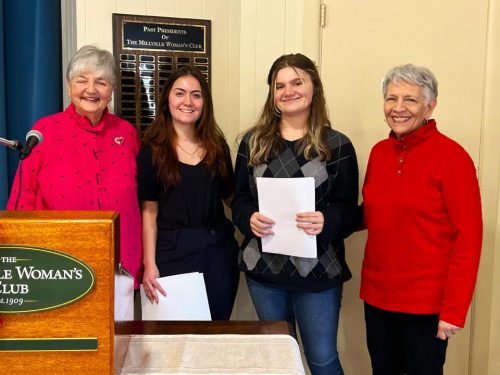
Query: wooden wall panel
{"points": [[247, 64], [189, 8], [81, 23], [161, 8], [219, 13], [269, 44], [485, 342], [231, 128], [98, 23], [132, 6], [293, 35], [311, 30]]}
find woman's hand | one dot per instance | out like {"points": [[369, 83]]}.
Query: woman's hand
{"points": [[446, 330], [150, 284], [261, 225], [310, 222]]}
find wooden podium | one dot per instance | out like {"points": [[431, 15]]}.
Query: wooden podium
{"points": [[92, 237]]}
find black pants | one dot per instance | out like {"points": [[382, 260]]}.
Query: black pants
{"points": [[401, 343], [211, 252]]}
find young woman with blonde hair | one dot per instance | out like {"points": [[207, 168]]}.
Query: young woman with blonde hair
{"points": [[293, 138]]}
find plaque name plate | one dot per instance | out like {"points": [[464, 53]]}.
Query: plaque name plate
{"points": [[147, 50]]}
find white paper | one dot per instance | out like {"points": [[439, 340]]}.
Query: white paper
{"points": [[186, 299], [124, 295], [281, 199]]}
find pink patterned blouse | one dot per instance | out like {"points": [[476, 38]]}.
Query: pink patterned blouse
{"points": [[83, 167]]}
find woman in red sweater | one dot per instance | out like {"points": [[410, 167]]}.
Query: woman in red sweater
{"points": [[422, 209]]}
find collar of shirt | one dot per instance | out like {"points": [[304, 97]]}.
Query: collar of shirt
{"points": [[84, 122], [415, 137]]}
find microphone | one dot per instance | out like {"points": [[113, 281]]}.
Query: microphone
{"points": [[33, 137]]}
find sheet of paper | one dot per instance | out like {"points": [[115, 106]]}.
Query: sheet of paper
{"points": [[186, 299], [281, 199], [124, 295]]}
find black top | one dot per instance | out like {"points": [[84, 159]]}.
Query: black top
{"points": [[195, 203]]}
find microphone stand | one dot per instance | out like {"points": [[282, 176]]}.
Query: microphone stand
{"points": [[14, 144]]}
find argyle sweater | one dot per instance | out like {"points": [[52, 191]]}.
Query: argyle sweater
{"points": [[336, 196]]}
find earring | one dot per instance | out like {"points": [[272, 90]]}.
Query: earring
{"points": [[277, 111]]}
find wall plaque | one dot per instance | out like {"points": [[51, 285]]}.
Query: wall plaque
{"points": [[147, 50]]}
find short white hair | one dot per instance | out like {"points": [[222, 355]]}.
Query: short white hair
{"points": [[417, 75], [91, 58]]}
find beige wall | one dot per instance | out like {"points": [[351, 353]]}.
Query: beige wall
{"points": [[485, 342], [362, 40], [459, 41]]}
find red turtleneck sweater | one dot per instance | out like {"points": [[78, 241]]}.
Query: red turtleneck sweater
{"points": [[422, 209]]}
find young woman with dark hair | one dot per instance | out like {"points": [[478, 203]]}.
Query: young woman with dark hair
{"points": [[184, 176]]}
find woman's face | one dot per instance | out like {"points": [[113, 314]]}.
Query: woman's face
{"points": [[90, 93], [185, 101], [293, 91], [405, 107]]}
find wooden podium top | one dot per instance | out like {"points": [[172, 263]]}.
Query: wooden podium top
{"points": [[57, 215]]}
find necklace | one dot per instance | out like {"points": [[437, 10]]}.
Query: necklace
{"points": [[191, 154]]}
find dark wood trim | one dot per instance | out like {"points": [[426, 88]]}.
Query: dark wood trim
{"points": [[246, 327]]}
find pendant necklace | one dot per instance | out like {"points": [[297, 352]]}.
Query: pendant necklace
{"points": [[191, 154]]}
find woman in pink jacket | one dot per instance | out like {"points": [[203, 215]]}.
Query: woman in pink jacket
{"points": [[87, 158]]}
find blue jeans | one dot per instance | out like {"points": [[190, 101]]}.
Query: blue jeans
{"points": [[317, 317]]}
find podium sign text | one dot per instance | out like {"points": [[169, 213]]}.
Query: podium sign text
{"points": [[33, 279]]}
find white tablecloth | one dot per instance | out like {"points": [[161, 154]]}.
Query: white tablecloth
{"points": [[207, 354]]}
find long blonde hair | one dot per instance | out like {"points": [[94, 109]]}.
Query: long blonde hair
{"points": [[265, 142]]}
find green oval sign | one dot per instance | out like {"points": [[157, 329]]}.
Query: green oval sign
{"points": [[35, 279]]}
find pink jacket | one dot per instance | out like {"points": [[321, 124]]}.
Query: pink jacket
{"points": [[84, 167]]}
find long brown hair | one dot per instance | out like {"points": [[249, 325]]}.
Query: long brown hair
{"points": [[161, 135], [264, 144]]}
